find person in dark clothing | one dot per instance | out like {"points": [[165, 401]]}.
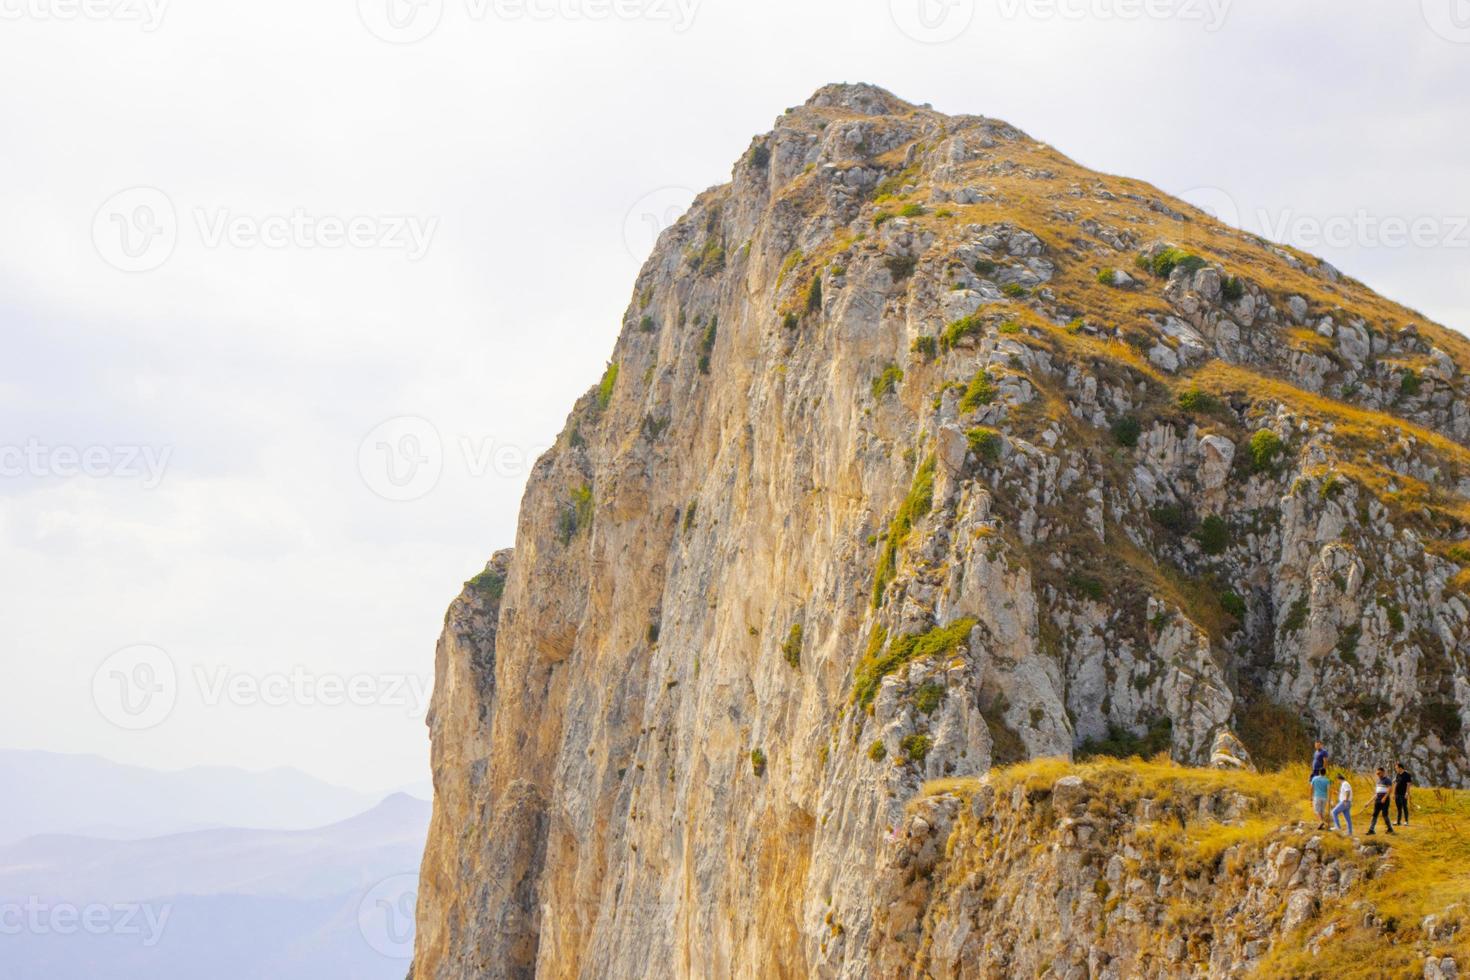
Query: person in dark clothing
{"points": [[1319, 760], [1401, 780], [1380, 802]]}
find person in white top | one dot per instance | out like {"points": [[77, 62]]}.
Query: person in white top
{"points": [[1344, 806]]}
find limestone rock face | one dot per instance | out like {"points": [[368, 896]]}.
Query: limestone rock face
{"points": [[899, 477]]}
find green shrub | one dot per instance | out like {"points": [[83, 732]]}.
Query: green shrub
{"points": [[814, 296], [1105, 276], [707, 344], [928, 697], [887, 382], [1410, 382], [1172, 517], [1232, 289], [653, 631], [576, 515], [1127, 430], [1213, 535], [711, 258], [900, 267], [926, 347], [877, 751], [1195, 400], [916, 506], [941, 641], [1296, 616], [605, 387], [1164, 264], [1010, 327], [1015, 290], [881, 217], [916, 747], [758, 762], [1233, 604], [1089, 587], [965, 326], [791, 321], [1122, 744], [985, 444], [1265, 446], [791, 649], [980, 391], [689, 516], [944, 213], [913, 211], [646, 325], [1443, 718], [760, 156], [488, 583]]}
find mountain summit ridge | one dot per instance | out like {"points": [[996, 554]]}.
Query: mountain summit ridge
{"points": [[923, 450]]}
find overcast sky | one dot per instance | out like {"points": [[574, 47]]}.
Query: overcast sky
{"points": [[292, 291]]}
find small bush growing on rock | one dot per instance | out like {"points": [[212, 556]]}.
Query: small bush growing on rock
{"points": [[1265, 446], [900, 267], [653, 630], [881, 217], [814, 296], [984, 268], [877, 663], [1127, 430], [965, 326], [488, 583], [791, 649], [758, 762], [1089, 587], [913, 211], [926, 347], [877, 751], [1296, 616], [928, 697], [1195, 400], [916, 505], [979, 392], [576, 516], [605, 387], [985, 444], [760, 156], [1443, 718], [1010, 327], [646, 325], [1015, 290], [1172, 517], [689, 516], [916, 746], [1123, 744], [1232, 289], [707, 344], [1233, 604], [1105, 276], [790, 321], [887, 382], [1410, 382], [1166, 261], [1213, 535]]}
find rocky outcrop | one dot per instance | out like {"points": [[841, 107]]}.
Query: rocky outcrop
{"points": [[895, 475]]}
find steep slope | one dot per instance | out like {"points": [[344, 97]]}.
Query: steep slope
{"points": [[924, 449]]}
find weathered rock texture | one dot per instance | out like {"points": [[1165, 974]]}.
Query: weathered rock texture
{"points": [[904, 465]]}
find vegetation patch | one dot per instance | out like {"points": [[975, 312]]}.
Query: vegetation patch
{"points": [[877, 751], [1121, 743], [1127, 430], [926, 347], [1265, 447], [1213, 535], [980, 391], [1167, 260], [791, 649], [576, 515], [965, 326], [915, 507], [758, 762], [985, 444], [916, 746], [605, 387], [887, 382], [489, 584], [941, 641], [707, 344]]}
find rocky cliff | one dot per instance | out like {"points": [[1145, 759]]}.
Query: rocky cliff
{"points": [[924, 449]]}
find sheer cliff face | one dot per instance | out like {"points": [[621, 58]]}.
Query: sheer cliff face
{"points": [[905, 465]]}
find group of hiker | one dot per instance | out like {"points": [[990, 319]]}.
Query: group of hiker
{"points": [[1385, 786]]}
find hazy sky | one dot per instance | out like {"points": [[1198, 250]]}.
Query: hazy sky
{"points": [[288, 303]]}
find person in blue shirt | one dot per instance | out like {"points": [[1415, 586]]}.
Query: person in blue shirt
{"points": [[1320, 785], [1319, 760]]}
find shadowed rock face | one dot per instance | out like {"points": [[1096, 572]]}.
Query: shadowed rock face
{"points": [[927, 449]]}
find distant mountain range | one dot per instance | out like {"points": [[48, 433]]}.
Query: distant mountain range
{"points": [[330, 901], [52, 793]]}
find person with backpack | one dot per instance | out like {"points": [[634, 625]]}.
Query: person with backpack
{"points": [[1380, 802], [1401, 780], [1320, 786], [1344, 806]]}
